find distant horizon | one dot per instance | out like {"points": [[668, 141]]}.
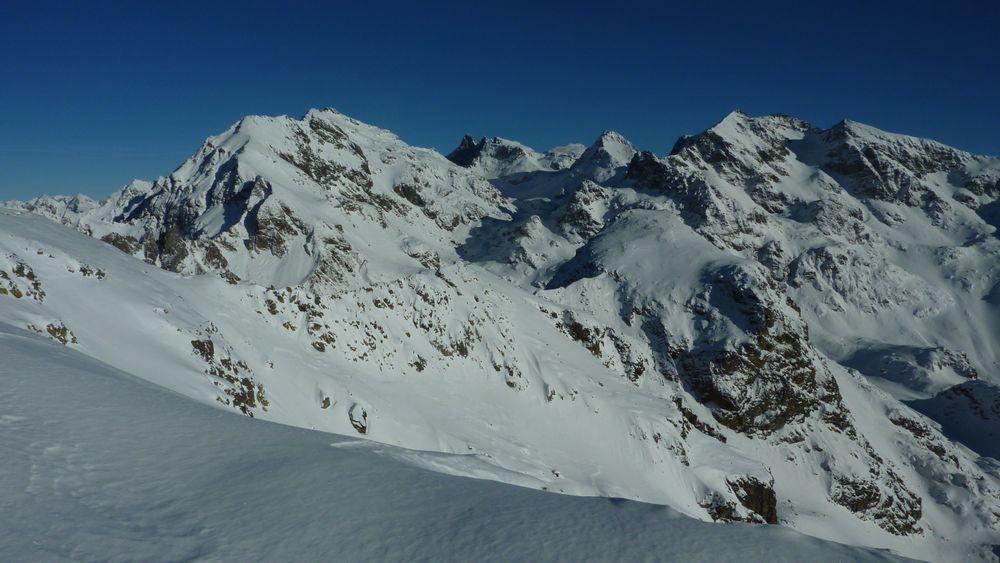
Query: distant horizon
{"points": [[99, 93], [442, 151]]}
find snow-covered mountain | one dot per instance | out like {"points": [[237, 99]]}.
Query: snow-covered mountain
{"points": [[496, 157], [774, 323]]}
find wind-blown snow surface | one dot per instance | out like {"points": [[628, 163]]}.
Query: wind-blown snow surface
{"points": [[98, 465], [731, 330]]}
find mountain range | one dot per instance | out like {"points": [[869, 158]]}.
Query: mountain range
{"points": [[775, 323]]}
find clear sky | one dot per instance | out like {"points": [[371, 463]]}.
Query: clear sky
{"points": [[95, 93]]}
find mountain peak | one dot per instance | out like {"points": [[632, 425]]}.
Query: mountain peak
{"points": [[858, 132], [735, 116], [467, 142], [611, 138], [610, 144], [495, 157], [320, 113], [466, 152], [606, 157], [849, 127], [738, 129]]}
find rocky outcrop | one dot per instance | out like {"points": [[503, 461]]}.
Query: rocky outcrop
{"points": [[877, 166]]}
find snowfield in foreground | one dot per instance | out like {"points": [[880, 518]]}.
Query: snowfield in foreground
{"points": [[97, 465]]}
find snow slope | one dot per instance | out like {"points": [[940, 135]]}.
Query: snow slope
{"points": [[99, 465], [733, 330]]}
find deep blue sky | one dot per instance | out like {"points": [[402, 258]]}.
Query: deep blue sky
{"points": [[95, 93]]}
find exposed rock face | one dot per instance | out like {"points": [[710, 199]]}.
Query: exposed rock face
{"points": [[758, 497], [890, 169], [755, 502], [467, 151], [127, 244], [583, 215], [744, 314], [770, 380], [494, 157], [359, 418]]}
